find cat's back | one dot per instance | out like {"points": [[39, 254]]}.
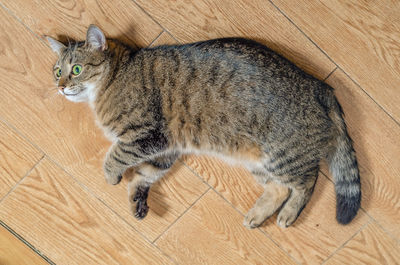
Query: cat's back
{"points": [[232, 86], [236, 64]]}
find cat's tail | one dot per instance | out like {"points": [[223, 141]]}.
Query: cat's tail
{"points": [[343, 166]]}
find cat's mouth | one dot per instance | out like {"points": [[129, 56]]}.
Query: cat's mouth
{"points": [[71, 94], [70, 91]]}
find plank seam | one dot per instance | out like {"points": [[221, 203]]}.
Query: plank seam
{"points": [[83, 186], [23, 24], [76, 181], [158, 36], [234, 207], [337, 65], [179, 217], [9, 229], [52, 160], [19, 181], [329, 75], [383, 228], [368, 214], [339, 248], [155, 21]]}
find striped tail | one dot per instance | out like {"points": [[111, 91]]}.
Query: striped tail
{"points": [[343, 166]]}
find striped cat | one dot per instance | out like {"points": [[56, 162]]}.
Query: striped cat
{"points": [[233, 98]]}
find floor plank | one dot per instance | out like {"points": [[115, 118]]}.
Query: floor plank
{"points": [[315, 235], [122, 19], [360, 36], [371, 246], [211, 232], [13, 251], [53, 124], [17, 157], [193, 21], [69, 225], [376, 139], [63, 218]]}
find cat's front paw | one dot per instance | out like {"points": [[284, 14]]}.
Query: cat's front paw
{"points": [[113, 180], [141, 210]]}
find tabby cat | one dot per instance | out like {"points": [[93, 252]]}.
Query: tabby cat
{"points": [[230, 97]]}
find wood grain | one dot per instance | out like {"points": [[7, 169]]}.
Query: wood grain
{"points": [[371, 246], [17, 157], [376, 139], [60, 214], [190, 21], [360, 36], [69, 225], [211, 232], [15, 252], [67, 133], [119, 19], [313, 237]]}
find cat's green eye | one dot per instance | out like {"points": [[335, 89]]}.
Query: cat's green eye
{"points": [[57, 72], [76, 69]]}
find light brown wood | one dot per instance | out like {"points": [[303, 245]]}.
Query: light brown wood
{"points": [[371, 246], [78, 216], [360, 36], [17, 157], [13, 251], [211, 233], [190, 21], [376, 139], [121, 19], [312, 238], [69, 225]]}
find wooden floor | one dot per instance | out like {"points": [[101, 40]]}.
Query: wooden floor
{"points": [[55, 206]]}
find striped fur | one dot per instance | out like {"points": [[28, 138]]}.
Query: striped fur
{"points": [[233, 98]]}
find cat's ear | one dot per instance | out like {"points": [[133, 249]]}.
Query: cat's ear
{"points": [[57, 46], [95, 38]]}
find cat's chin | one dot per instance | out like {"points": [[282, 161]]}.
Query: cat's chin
{"points": [[76, 98]]}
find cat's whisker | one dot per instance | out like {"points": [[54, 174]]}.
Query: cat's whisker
{"points": [[54, 93], [69, 42]]}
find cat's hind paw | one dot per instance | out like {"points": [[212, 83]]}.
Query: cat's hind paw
{"points": [[253, 219]]}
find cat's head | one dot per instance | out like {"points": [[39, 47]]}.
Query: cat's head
{"points": [[80, 66]]}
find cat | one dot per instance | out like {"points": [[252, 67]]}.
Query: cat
{"points": [[230, 97]]}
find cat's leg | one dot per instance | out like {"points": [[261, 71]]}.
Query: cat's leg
{"points": [[118, 159], [273, 197], [146, 174], [301, 190]]}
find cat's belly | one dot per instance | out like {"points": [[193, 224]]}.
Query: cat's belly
{"points": [[251, 162]]}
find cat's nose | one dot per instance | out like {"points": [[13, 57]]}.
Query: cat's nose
{"points": [[61, 83], [61, 88]]}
